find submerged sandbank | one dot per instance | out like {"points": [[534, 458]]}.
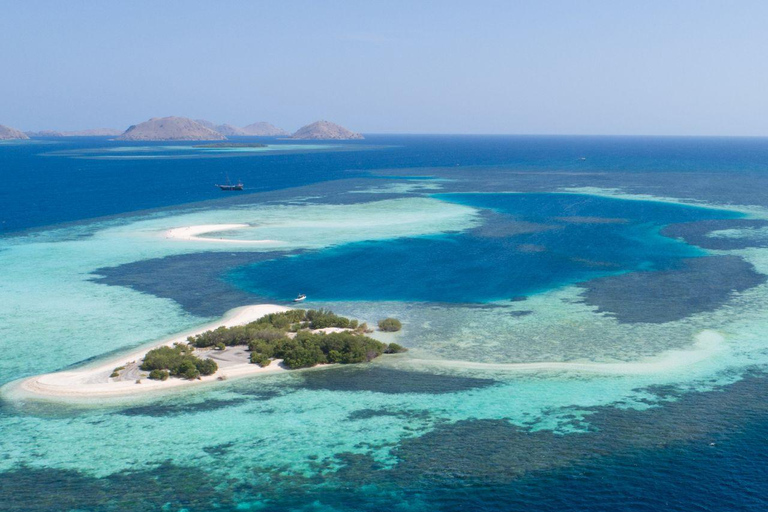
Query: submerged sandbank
{"points": [[708, 343], [93, 381]]}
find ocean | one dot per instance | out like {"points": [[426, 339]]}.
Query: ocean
{"points": [[585, 318]]}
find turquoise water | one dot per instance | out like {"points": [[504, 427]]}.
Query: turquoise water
{"points": [[486, 285]]}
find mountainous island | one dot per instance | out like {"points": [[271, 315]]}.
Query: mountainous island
{"points": [[224, 129], [324, 130], [258, 129], [182, 128], [8, 133], [170, 128], [264, 129], [93, 132]]}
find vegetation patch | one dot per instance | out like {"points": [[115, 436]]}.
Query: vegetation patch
{"points": [[267, 338], [390, 325], [177, 361]]}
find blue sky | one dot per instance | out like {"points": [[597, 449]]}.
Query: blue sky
{"points": [[540, 67]]}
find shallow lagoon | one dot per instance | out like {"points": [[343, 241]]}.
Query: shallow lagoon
{"points": [[435, 429]]}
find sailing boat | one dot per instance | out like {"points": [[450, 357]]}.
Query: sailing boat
{"points": [[230, 186]]}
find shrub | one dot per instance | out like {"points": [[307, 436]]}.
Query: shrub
{"points": [[390, 325], [188, 369], [178, 361], [190, 373], [220, 346], [158, 375], [206, 366], [260, 359], [304, 357], [394, 348], [323, 318]]}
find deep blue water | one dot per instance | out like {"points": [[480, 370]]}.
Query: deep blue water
{"points": [[570, 238], [41, 189]]}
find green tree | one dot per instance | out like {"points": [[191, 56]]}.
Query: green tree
{"points": [[390, 325], [158, 375]]}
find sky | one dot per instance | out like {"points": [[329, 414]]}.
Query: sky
{"points": [[620, 67]]}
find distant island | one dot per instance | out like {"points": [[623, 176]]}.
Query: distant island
{"points": [[232, 145], [175, 128], [170, 128], [324, 130], [224, 129], [256, 129], [8, 133], [93, 132], [264, 129]]}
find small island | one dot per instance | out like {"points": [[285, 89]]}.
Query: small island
{"points": [[169, 128], [8, 133], [251, 340], [232, 145], [298, 338], [325, 130]]}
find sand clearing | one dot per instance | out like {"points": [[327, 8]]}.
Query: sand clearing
{"points": [[192, 233], [93, 381]]}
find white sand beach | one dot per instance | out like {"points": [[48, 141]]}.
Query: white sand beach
{"points": [[93, 381], [192, 233]]}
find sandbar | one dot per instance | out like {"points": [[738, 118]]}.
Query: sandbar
{"points": [[93, 381], [192, 233], [708, 343]]}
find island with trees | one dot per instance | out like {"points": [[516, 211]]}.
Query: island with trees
{"points": [[296, 338], [251, 340]]}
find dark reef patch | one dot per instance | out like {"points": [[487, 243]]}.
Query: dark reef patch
{"points": [[176, 408], [687, 454], [501, 225], [364, 414], [385, 380], [255, 391], [592, 220], [167, 487], [500, 452], [696, 233], [192, 280], [699, 284], [218, 449], [521, 313], [531, 248]]}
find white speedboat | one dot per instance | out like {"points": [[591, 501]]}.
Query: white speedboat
{"points": [[300, 298]]}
